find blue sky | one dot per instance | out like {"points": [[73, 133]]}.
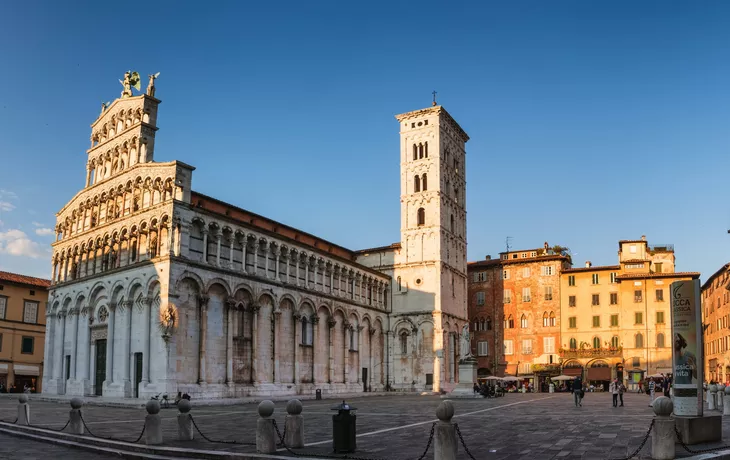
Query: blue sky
{"points": [[590, 122]]}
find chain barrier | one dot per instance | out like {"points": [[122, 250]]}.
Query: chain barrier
{"points": [[343, 456], [51, 429], [111, 438], [641, 446], [461, 438], [699, 451], [12, 423], [218, 441]]}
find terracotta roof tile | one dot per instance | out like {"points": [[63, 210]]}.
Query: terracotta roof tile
{"points": [[628, 276], [22, 279], [590, 269]]}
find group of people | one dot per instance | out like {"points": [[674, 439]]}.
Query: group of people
{"points": [[488, 391], [616, 388], [14, 389]]}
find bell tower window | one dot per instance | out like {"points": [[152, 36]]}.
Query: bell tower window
{"points": [[421, 217], [424, 183], [416, 184]]}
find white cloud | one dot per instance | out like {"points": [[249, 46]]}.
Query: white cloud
{"points": [[16, 243], [8, 194], [43, 231], [36, 224], [2, 223], [6, 206]]}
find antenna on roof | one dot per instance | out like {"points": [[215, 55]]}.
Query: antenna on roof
{"points": [[506, 241]]}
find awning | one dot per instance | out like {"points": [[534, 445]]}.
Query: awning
{"points": [[3, 368], [25, 369], [572, 371], [599, 373]]}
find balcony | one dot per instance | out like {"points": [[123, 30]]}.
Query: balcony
{"points": [[567, 353], [547, 368]]}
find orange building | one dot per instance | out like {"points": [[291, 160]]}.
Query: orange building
{"points": [[715, 318]]}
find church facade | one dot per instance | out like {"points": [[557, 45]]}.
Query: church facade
{"points": [[161, 289]]}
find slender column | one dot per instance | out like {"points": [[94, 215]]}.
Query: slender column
{"points": [[277, 344], [451, 360], [267, 251], [110, 344], [146, 320], [296, 318], [254, 341], [53, 275], [203, 299], [255, 257], [48, 358], [59, 361], [331, 359], [315, 337], [127, 308], [74, 348], [288, 262], [306, 274], [88, 174], [298, 262], [371, 370], [229, 337], [171, 246], [205, 245], [244, 244], [346, 363], [218, 238], [359, 354], [87, 362], [231, 240], [277, 253], [332, 280]]}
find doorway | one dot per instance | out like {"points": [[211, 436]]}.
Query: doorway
{"points": [[67, 374], [364, 379], [137, 373], [100, 366]]}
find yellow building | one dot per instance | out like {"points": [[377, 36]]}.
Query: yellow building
{"points": [[615, 320], [23, 302]]}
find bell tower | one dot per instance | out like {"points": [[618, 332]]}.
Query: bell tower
{"points": [[124, 133]]}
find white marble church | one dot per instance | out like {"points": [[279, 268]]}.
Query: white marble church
{"points": [[160, 289]]}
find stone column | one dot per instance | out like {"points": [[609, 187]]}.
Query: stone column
{"points": [[229, 340], [298, 262], [371, 370], [244, 244], [48, 358], [277, 253], [231, 240], [218, 237], [450, 361], [267, 251], [203, 300], [88, 174], [110, 344], [277, 344], [146, 339], [315, 335], [332, 280], [58, 368], [127, 307], [331, 359], [255, 257], [359, 353], [172, 249], [254, 341], [205, 245], [74, 312], [711, 401], [87, 343], [306, 273], [346, 354], [288, 262], [296, 318]]}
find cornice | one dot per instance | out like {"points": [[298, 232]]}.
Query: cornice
{"points": [[122, 100]]}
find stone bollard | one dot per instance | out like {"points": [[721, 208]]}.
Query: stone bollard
{"points": [[23, 410], [719, 403], [294, 425], [444, 433], [153, 423], [265, 432], [711, 398], [663, 435], [75, 424], [184, 421], [726, 402]]}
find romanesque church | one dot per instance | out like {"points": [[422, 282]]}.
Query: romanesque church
{"points": [[158, 288]]}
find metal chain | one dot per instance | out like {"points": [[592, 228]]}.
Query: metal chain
{"points": [[430, 439], [458, 431], [700, 451], [641, 446], [218, 441], [111, 438], [51, 429]]}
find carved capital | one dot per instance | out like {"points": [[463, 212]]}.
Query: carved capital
{"points": [[360, 328], [255, 308], [231, 303], [331, 322], [277, 313], [372, 331], [314, 318], [347, 325], [297, 316], [203, 300], [112, 306]]}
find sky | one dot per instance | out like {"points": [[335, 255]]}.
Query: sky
{"points": [[590, 122]]}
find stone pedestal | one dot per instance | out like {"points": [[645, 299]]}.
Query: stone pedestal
{"points": [[23, 410], [294, 425], [75, 424], [445, 444], [467, 378], [184, 421], [726, 402], [153, 424], [696, 430], [265, 431]]}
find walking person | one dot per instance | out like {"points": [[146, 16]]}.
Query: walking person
{"points": [[613, 388], [621, 391], [578, 391], [652, 387]]}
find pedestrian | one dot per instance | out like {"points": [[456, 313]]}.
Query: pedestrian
{"points": [[475, 389], [666, 387], [641, 387], [621, 391], [613, 388], [578, 391], [652, 387]]}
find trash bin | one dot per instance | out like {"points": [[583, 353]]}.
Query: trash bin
{"points": [[343, 428], [318, 394]]}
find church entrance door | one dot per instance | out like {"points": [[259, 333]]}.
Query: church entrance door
{"points": [[137, 373], [100, 366], [364, 379]]}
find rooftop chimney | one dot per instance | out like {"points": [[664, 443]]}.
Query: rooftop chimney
{"points": [[643, 237], [588, 264], [489, 257], [546, 246]]}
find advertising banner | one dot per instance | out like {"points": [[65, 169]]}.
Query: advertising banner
{"points": [[687, 360]]}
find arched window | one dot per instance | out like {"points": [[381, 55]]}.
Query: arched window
{"points": [[404, 343], [306, 332], [424, 182], [523, 322], [511, 322], [614, 341], [353, 338], [573, 344], [399, 284], [596, 342], [416, 184], [545, 319], [489, 323], [420, 150], [421, 217], [483, 325], [476, 326], [426, 148], [452, 223], [415, 152], [660, 340], [639, 341], [552, 318]]}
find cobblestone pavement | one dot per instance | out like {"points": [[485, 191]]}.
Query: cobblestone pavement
{"points": [[517, 426], [13, 447]]}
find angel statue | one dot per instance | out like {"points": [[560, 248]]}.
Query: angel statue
{"points": [[131, 80], [465, 351], [151, 84]]}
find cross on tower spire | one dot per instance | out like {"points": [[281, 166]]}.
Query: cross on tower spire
{"points": [[434, 98]]}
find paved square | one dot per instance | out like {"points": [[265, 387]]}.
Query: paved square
{"points": [[396, 427]]}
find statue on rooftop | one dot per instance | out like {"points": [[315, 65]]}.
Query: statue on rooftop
{"points": [[131, 80], [151, 84]]}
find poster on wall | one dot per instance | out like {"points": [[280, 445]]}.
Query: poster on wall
{"points": [[687, 361]]}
